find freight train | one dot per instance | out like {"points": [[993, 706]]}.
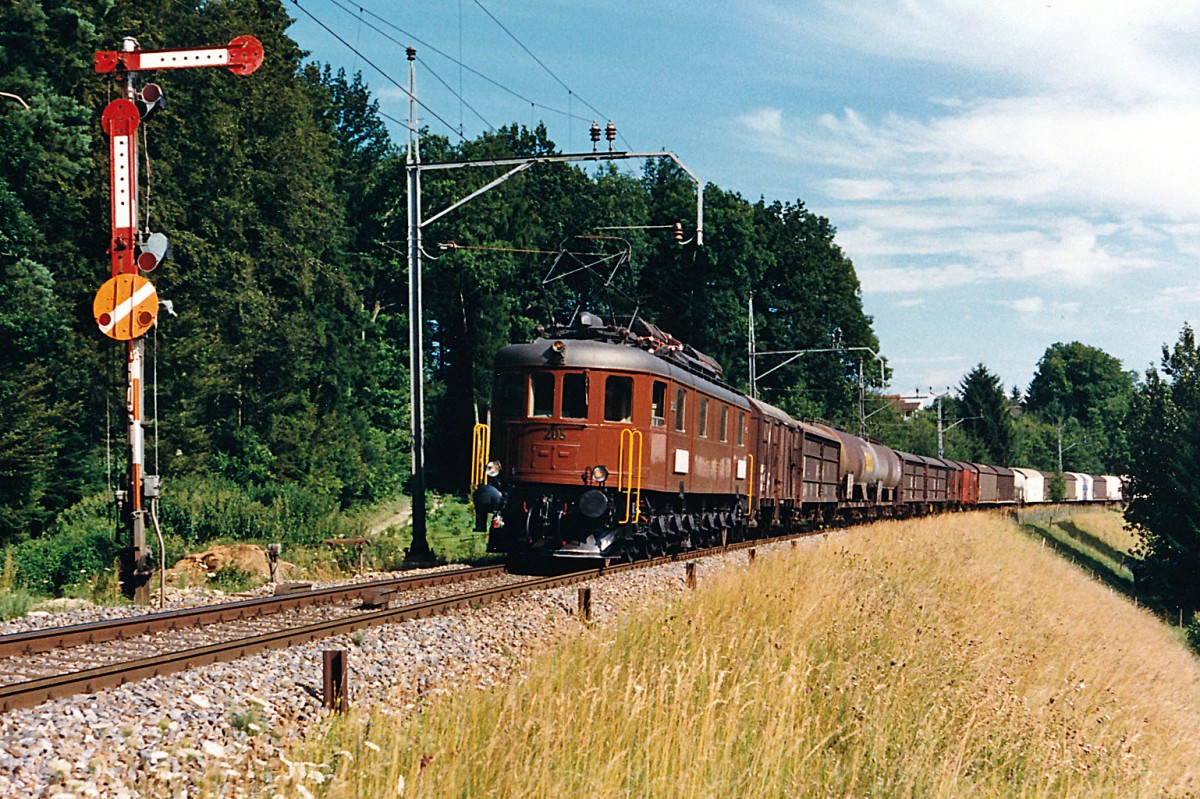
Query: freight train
{"points": [[623, 442]]}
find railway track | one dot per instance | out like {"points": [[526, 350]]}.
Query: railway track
{"points": [[52, 638], [66, 679]]}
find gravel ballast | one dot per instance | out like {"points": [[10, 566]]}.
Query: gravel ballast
{"points": [[227, 729]]}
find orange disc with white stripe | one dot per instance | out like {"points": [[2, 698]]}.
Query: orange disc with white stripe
{"points": [[125, 307]]}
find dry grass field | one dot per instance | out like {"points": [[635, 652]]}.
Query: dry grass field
{"points": [[1096, 539], [1106, 525], [946, 657]]}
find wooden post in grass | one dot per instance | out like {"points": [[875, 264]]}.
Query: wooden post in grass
{"points": [[689, 572], [336, 678], [359, 543], [585, 605]]}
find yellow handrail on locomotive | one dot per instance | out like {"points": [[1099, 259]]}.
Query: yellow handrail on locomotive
{"points": [[753, 477], [633, 495], [481, 441]]}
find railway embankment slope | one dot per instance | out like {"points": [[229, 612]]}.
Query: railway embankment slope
{"points": [[952, 656]]}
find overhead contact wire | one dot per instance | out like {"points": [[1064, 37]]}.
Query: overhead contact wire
{"points": [[378, 69], [438, 77], [459, 63], [550, 72], [529, 52]]}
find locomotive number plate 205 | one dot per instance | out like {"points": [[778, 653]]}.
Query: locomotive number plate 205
{"points": [[555, 433]]}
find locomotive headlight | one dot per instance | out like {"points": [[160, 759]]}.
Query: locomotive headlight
{"points": [[493, 468], [559, 347], [599, 473]]}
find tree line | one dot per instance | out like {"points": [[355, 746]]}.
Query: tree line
{"points": [[281, 370], [1071, 417]]}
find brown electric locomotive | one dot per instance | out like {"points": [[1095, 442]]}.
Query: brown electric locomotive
{"points": [[614, 441]]}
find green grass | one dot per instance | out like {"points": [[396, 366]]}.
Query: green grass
{"points": [[233, 579], [15, 603], [449, 529]]}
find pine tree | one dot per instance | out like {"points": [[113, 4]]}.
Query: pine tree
{"points": [[987, 419], [1164, 427]]}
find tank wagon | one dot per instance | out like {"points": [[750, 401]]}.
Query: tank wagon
{"points": [[615, 441]]}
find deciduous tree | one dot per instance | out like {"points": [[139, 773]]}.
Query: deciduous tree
{"points": [[1164, 424]]}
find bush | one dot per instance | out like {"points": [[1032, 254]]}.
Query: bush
{"points": [[449, 529], [234, 579], [81, 544], [14, 604], [202, 509], [1193, 634]]}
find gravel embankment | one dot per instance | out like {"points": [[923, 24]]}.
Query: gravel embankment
{"points": [[230, 726]]}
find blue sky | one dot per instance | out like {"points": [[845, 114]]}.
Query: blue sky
{"points": [[1003, 175]]}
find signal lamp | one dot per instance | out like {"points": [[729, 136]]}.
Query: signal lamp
{"points": [[153, 251], [599, 473], [149, 99], [492, 469]]}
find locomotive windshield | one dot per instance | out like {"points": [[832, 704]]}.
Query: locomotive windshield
{"points": [[574, 396], [509, 401], [618, 399], [543, 394]]}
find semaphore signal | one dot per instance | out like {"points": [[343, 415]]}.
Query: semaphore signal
{"points": [[126, 306]]}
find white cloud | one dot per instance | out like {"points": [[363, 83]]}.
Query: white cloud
{"points": [[1174, 300], [1036, 306], [1026, 305], [843, 189], [918, 278], [1081, 165], [1024, 168], [767, 123], [1107, 48], [1043, 151]]}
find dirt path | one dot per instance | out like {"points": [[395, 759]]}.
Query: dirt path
{"points": [[394, 517]]}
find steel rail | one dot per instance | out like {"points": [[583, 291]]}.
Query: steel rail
{"points": [[31, 693], [50, 638]]}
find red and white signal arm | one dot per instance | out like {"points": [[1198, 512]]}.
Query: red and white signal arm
{"points": [[242, 56], [125, 307]]}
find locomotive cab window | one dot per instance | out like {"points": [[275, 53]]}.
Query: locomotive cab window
{"points": [[724, 423], [702, 419], [618, 399], [541, 395], [741, 433], [574, 396], [680, 404], [509, 401], [658, 405]]}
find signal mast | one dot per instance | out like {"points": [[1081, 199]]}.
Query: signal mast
{"points": [[126, 306]]}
